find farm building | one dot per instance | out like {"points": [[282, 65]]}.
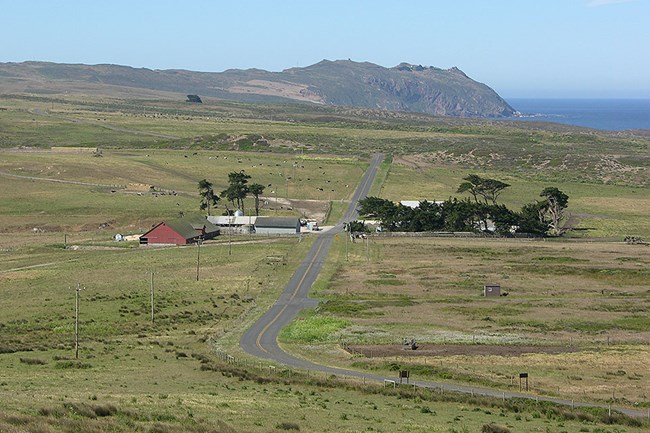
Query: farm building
{"points": [[414, 204], [238, 224], [277, 225], [180, 232]]}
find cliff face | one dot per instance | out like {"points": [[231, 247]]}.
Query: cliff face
{"points": [[444, 92], [402, 88]]}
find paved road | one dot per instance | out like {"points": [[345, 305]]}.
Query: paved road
{"points": [[261, 339]]}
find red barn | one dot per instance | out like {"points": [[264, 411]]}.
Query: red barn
{"points": [[180, 232]]}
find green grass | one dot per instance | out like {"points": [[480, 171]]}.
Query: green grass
{"points": [[560, 293], [610, 211], [59, 207], [555, 153], [310, 329], [135, 375]]}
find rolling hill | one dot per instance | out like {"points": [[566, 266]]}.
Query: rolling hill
{"points": [[405, 87]]}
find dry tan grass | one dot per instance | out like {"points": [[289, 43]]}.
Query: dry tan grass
{"points": [[591, 295]]}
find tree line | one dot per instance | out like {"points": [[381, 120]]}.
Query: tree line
{"points": [[233, 196], [546, 216]]}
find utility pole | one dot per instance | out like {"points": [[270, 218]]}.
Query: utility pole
{"points": [[230, 235], [368, 248], [198, 258], [347, 235], [76, 322], [152, 291]]}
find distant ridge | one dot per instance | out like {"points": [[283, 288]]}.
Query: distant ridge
{"points": [[405, 87]]}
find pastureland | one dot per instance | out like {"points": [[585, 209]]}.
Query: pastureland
{"points": [[166, 376], [586, 298], [56, 192]]}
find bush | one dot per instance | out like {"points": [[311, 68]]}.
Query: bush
{"points": [[64, 365], [51, 411], [288, 426], [81, 409], [494, 428], [105, 410], [32, 361]]}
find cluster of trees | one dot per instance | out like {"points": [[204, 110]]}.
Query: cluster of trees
{"points": [[233, 196], [541, 217], [194, 98]]}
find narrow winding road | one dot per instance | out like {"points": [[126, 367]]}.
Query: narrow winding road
{"points": [[260, 340]]}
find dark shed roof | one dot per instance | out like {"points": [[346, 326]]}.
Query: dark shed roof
{"points": [[183, 228], [200, 223], [277, 222]]}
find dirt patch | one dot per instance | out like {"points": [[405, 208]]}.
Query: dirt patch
{"points": [[380, 351], [309, 209], [282, 89]]}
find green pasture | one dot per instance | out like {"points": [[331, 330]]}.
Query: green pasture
{"points": [[136, 375], [599, 210], [117, 192], [587, 296], [543, 153]]}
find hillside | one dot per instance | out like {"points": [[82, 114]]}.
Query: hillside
{"points": [[442, 92]]}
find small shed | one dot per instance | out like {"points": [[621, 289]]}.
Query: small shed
{"points": [[277, 225], [492, 290]]}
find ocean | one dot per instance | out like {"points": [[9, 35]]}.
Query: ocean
{"points": [[606, 114]]}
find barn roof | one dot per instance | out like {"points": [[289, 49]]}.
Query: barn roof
{"points": [[277, 222], [183, 228], [188, 228], [199, 223]]}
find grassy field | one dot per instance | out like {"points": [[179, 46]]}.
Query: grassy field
{"points": [[587, 298], [165, 376], [118, 195], [597, 210], [542, 152]]}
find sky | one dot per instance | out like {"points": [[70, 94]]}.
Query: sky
{"points": [[520, 48]]}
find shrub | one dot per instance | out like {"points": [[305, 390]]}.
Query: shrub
{"points": [[161, 428], [72, 365], [288, 426], [51, 411], [81, 409], [494, 428], [32, 361], [105, 410]]}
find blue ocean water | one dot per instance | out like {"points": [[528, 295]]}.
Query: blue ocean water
{"points": [[607, 114]]}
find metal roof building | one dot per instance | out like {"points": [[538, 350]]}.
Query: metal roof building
{"points": [[277, 225]]}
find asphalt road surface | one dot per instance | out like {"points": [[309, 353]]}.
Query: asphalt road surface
{"points": [[260, 340]]}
